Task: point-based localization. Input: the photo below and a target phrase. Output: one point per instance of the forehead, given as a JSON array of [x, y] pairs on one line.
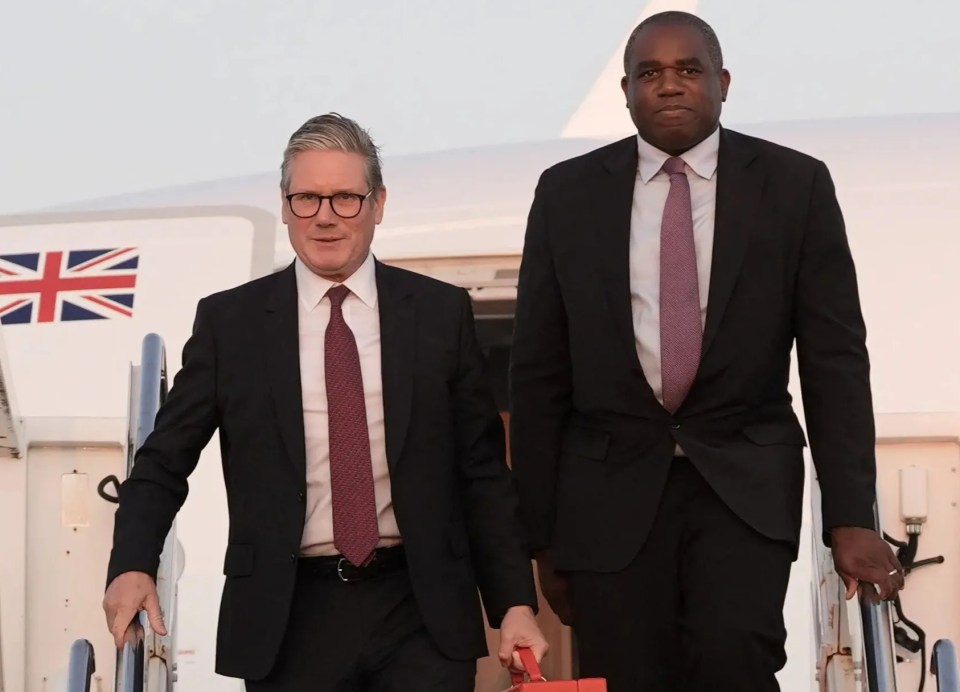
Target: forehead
[[328, 171], [667, 44]]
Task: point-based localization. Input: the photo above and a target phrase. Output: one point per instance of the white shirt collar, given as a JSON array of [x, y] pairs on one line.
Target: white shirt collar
[[701, 159], [312, 288]]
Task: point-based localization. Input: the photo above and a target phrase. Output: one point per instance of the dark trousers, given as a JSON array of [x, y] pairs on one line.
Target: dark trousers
[[700, 608], [365, 636]]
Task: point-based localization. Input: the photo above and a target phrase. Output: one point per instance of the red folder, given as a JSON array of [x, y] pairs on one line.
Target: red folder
[[537, 683]]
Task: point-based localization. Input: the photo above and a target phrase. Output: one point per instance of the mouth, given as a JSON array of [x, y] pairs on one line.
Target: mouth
[[327, 240], [673, 108]]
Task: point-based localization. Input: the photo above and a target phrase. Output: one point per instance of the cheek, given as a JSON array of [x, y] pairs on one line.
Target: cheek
[[298, 233], [361, 232], [643, 99], [359, 240], [709, 100]]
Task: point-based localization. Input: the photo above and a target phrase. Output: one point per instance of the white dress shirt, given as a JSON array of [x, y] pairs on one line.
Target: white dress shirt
[[361, 313], [649, 198]]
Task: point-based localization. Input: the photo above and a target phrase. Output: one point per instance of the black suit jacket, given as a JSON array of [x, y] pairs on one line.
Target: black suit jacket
[[452, 494], [591, 445]]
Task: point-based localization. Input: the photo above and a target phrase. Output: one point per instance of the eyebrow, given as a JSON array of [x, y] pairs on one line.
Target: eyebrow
[[656, 64], [335, 192]]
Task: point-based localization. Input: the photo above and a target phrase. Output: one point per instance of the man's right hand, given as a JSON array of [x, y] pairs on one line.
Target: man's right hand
[[555, 587], [127, 595]]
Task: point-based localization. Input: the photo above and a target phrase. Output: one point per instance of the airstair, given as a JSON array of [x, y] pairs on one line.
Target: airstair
[[858, 641]]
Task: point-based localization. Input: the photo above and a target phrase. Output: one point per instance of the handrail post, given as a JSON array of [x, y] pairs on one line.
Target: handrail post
[[81, 667], [945, 666], [149, 391], [152, 392], [130, 659], [878, 642]]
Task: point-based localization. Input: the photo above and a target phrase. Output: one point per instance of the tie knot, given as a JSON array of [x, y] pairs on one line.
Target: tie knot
[[673, 165], [337, 294]]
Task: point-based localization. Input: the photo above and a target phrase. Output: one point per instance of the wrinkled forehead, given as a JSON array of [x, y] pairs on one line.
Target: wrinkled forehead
[[669, 45], [328, 171]]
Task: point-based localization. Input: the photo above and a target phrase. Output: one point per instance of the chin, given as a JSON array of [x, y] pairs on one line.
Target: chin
[[676, 139], [325, 267], [328, 261]]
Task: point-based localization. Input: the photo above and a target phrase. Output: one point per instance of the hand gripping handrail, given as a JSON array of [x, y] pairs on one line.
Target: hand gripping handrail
[[145, 663], [879, 652]]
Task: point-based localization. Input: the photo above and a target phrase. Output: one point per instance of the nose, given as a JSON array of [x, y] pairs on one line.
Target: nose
[[670, 83], [325, 215]]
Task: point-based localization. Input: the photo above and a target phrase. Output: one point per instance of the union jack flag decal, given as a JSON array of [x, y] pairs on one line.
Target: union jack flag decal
[[67, 286]]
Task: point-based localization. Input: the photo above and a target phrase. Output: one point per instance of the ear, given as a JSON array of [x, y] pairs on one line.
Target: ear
[[624, 85], [724, 84], [284, 210], [380, 199]]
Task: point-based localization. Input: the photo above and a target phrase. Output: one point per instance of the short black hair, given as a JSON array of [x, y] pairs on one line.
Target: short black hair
[[678, 18]]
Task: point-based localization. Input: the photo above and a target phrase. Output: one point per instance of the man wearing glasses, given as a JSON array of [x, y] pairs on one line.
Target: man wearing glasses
[[363, 454]]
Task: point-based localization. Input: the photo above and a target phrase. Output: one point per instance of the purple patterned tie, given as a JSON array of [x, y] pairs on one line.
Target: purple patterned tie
[[355, 530], [681, 333]]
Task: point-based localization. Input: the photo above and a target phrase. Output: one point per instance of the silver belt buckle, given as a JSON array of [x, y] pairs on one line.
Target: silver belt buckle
[[370, 561], [340, 571]]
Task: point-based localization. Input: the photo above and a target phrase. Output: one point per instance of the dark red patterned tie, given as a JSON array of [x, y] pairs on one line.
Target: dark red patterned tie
[[681, 332], [355, 531]]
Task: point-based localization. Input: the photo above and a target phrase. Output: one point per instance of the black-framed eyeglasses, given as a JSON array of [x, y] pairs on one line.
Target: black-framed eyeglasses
[[346, 205]]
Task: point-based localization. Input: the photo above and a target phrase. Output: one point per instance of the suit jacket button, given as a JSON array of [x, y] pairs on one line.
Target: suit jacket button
[[293, 558], [300, 495], [675, 426]]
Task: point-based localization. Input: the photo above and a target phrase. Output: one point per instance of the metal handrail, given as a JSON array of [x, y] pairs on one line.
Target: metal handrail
[[81, 667], [879, 650], [878, 642], [152, 393], [945, 666], [130, 660], [149, 391]]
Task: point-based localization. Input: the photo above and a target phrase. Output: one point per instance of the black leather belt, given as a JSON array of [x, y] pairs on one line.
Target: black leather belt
[[384, 560]]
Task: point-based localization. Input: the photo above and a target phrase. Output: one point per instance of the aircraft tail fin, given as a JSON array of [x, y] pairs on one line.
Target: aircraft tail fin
[[602, 113]]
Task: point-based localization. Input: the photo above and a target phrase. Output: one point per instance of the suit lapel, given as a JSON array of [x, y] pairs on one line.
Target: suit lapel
[[615, 195], [739, 188], [281, 338], [398, 331]]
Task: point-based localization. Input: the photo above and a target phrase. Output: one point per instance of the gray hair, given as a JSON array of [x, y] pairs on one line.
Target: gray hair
[[333, 132], [678, 18]]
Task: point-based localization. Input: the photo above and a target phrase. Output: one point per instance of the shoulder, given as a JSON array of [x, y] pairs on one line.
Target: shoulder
[[574, 169], [777, 156], [247, 295], [424, 288]]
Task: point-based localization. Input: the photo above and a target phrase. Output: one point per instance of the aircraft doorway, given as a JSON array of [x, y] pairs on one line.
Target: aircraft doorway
[[492, 283], [494, 320]]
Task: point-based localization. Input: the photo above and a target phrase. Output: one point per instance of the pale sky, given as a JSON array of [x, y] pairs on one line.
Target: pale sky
[[104, 97]]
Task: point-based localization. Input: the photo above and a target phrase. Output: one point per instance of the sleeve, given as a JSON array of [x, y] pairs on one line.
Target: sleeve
[[504, 572], [540, 380], [833, 364], [157, 486]]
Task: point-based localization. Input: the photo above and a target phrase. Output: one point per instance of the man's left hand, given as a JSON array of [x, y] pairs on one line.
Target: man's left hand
[[519, 628], [861, 555]]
